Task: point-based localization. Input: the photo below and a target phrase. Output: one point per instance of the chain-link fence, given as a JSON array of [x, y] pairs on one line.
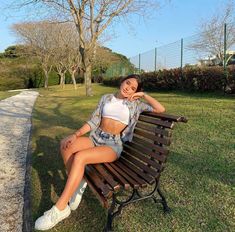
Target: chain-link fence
[[209, 48]]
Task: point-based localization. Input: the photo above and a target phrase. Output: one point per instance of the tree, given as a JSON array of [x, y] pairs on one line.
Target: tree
[[104, 58], [37, 36], [66, 56], [73, 64], [15, 51], [110, 63], [92, 18], [211, 34]]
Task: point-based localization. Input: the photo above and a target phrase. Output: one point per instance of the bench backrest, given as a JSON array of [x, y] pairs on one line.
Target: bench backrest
[[148, 150]]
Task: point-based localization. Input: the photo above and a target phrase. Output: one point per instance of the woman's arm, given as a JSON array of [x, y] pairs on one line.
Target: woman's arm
[[157, 106], [71, 138], [83, 130]]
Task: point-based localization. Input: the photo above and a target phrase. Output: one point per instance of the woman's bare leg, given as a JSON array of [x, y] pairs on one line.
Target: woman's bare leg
[[100, 154], [81, 143]]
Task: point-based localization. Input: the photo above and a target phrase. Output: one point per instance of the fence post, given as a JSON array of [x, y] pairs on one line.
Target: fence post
[[155, 60], [225, 44], [129, 70], [139, 63], [225, 51], [181, 63], [181, 56]]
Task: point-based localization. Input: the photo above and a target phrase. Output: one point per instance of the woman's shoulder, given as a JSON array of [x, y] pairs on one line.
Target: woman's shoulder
[[107, 96]]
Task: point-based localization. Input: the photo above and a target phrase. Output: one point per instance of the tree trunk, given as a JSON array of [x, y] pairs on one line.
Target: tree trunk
[[73, 79], [87, 79], [62, 80], [63, 83], [46, 78]]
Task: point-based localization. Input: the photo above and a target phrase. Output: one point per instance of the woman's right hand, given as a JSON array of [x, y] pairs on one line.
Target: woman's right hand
[[69, 141]]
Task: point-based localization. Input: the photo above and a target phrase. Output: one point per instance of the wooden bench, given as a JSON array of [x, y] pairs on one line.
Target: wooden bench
[[138, 170]]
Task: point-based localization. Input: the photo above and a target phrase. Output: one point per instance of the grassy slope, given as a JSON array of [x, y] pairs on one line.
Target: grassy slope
[[5, 94], [197, 181], [10, 78]]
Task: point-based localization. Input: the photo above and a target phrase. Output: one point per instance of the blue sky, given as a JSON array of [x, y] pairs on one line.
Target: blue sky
[[177, 19]]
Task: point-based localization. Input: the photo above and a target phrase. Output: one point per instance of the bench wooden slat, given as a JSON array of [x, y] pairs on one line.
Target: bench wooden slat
[[154, 129], [132, 182], [115, 186], [156, 155], [139, 172], [166, 117], [162, 150], [165, 141], [96, 191], [98, 182], [144, 167], [132, 174], [121, 180], [156, 121], [143, 158]]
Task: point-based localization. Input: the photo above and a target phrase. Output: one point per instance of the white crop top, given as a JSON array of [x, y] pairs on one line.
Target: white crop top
[[116, 110]]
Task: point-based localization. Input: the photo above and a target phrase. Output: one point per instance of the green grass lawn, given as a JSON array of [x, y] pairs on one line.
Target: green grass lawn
[[198, 181], [6, 94]]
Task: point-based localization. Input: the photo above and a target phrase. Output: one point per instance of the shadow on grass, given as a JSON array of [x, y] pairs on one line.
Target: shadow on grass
[[58, 118], [47, 162], [50, 169]]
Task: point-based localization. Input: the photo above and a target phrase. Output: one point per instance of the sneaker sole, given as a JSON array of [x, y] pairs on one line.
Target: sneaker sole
[[61, 219]]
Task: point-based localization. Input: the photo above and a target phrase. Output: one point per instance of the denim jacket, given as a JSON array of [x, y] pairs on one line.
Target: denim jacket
[[136, 107]]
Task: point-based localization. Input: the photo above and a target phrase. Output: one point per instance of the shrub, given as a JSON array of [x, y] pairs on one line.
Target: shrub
[[230, 87], [191, 78]]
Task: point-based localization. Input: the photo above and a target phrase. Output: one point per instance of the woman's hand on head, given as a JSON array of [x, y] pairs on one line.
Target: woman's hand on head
[[136, 96]]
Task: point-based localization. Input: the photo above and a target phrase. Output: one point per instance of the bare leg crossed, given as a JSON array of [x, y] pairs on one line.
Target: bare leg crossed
[[82, 143], [76, 157]]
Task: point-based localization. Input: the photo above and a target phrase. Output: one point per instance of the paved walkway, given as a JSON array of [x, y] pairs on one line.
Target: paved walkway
[[15, 126]]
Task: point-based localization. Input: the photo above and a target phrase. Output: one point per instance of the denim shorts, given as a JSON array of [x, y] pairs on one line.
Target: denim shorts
[[101, 138]]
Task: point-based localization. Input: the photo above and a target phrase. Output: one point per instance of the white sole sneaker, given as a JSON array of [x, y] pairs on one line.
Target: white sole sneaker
[[51, 218]]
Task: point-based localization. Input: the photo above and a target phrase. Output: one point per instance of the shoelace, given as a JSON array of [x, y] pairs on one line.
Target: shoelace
[[51, 214]]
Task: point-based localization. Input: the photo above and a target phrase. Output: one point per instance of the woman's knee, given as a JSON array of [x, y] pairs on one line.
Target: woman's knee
[[79, 159], [65, 153], [62, 150], [62, 141]]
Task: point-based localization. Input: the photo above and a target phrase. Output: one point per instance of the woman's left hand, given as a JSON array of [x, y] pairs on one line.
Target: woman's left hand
[[136, 95]]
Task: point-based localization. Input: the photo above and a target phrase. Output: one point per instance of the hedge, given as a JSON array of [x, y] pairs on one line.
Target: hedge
[[193, 78]]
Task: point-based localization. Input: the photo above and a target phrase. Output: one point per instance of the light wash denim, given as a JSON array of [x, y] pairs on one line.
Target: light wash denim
[[101, 138]]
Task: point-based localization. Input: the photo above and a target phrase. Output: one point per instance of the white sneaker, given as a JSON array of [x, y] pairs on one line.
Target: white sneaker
[[77, 196], [51, 217]]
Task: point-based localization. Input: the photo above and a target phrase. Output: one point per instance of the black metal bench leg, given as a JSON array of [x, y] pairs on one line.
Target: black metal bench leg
[[111, 215], [108, 226], [166, 208]]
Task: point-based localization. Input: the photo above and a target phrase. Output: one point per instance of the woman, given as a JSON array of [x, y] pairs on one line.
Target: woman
[[112, 123]]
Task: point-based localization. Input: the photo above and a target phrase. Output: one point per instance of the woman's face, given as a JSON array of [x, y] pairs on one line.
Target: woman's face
[[128, 87]]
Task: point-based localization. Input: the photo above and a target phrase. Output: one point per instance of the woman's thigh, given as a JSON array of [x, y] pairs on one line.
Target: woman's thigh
[[81, 143], [95, 155]]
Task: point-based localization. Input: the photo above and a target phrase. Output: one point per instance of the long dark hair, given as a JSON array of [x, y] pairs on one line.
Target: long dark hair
[[138, 79]]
